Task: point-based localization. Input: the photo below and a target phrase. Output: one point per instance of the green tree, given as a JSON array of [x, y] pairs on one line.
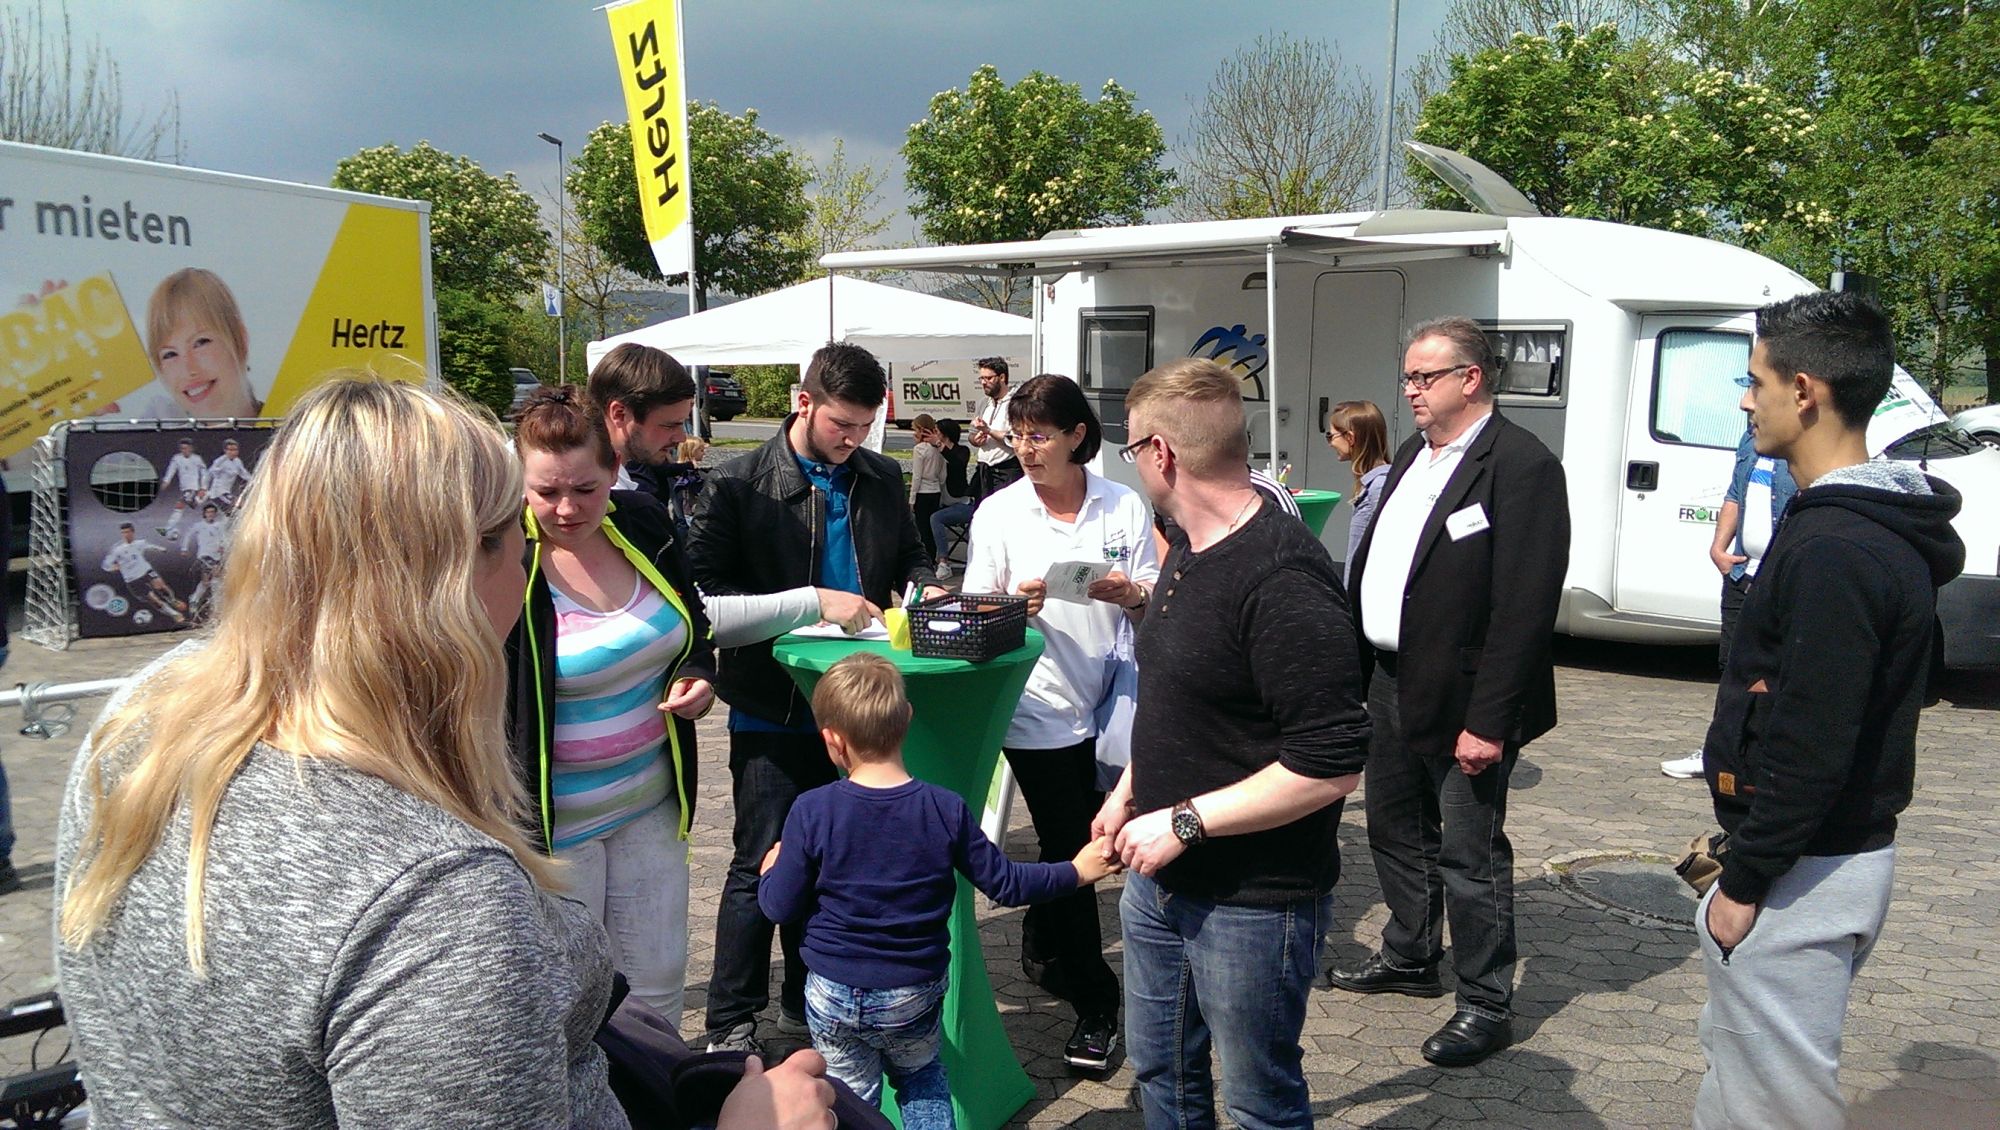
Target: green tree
[[473, 346], [56, 92], [1906, 161], [749, 203], [995, 162], [1593, 125], [1284, 130], [843, 208], [486, 233]]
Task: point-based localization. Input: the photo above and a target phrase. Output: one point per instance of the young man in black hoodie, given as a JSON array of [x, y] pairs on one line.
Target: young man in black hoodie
[[1812, 751]]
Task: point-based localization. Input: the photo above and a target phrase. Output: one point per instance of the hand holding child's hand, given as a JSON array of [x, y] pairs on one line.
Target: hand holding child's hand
[[770, 858], [1096, 861]]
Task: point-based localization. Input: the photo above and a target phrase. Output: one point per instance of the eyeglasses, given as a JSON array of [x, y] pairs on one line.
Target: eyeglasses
[[1033, 439], [1423, 381], [1331, 432], [1130, 452]]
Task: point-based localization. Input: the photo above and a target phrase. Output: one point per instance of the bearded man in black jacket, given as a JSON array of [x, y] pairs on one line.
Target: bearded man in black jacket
[[1812, 751]]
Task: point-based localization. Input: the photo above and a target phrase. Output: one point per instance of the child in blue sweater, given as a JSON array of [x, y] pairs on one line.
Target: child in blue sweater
[[868, 863]]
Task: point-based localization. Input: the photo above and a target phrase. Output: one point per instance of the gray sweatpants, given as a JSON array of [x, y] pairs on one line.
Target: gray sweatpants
[[1771, 1027]]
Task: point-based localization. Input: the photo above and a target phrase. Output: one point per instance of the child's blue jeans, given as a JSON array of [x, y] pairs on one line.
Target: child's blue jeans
[[863, 1033]]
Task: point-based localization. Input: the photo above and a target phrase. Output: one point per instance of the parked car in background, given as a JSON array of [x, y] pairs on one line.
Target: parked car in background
[[725, 396], [1983, 423], [525, 382]]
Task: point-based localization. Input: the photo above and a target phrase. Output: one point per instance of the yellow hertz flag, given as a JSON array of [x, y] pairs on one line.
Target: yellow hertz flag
[[646, 34]]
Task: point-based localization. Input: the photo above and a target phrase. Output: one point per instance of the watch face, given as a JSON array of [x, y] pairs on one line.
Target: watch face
[[1187, 827]]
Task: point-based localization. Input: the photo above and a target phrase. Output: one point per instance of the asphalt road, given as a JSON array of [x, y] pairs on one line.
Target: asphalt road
[[743, 427]]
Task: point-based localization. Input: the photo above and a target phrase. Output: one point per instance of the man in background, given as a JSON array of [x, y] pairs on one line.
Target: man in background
[[997, 466], [1759, 491], [646, 397], [1456, 586]]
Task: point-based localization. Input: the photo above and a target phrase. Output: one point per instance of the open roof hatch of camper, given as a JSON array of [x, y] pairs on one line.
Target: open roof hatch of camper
[[1329, 238]]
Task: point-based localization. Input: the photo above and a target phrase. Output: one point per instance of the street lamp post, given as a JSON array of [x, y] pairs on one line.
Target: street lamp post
[[562, 254]]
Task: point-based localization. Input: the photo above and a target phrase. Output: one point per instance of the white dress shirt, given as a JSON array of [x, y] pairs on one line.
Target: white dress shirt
[[994, 413], [1399, 523], [1015, 539]]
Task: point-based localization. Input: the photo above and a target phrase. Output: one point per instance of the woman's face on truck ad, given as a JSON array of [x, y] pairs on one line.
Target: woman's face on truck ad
[[203, 370]]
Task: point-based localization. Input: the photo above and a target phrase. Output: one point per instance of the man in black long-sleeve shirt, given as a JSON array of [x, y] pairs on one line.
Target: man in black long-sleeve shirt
[[1250, 731], [1812, 752]]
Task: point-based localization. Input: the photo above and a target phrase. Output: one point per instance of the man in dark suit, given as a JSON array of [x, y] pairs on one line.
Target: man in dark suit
[[1455, 588]]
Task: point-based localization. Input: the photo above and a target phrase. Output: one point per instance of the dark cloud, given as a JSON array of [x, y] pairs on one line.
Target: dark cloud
[[286, 90]]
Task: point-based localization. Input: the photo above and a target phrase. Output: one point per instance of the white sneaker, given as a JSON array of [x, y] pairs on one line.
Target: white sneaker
[[1686, 768], [944, 571]]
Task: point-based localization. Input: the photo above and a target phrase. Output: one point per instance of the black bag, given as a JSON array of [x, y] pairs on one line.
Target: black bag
[[665, 1085]]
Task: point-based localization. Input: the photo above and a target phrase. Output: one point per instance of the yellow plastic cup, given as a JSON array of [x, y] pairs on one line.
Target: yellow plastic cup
[[898, 623]]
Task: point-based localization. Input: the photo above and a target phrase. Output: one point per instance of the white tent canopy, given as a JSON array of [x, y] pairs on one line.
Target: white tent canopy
[[785, 326]]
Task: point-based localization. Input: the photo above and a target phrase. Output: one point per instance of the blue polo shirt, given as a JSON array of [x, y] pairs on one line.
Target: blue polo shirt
[[839, 567]]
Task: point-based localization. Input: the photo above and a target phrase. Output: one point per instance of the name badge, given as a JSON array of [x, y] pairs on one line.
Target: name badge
[[1467, 522]]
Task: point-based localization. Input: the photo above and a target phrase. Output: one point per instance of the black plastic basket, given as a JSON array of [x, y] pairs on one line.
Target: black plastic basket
[[977, 626]]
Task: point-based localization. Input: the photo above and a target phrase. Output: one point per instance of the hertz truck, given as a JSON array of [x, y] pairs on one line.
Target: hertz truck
[[137, 290]]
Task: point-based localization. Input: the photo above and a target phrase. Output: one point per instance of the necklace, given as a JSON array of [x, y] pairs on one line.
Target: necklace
[[1238, 520]]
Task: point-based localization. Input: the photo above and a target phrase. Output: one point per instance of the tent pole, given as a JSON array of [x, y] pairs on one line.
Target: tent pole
[[1270, 348]]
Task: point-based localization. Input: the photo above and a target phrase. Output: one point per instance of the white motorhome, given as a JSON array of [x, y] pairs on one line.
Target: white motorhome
[[1621, 348]]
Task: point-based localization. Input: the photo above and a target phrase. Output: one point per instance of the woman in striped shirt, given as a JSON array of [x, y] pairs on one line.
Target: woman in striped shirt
[[612, 662]]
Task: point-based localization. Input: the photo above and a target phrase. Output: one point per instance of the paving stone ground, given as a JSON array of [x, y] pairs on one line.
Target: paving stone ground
[[1607, 1003]]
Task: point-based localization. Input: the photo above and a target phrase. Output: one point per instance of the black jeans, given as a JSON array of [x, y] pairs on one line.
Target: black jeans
[[1441, 849], [1062, 944], [926, 505], [767, 772]]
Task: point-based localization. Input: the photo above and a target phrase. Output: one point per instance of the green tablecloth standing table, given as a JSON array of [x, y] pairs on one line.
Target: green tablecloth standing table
[[1316, 506], [960, 715]]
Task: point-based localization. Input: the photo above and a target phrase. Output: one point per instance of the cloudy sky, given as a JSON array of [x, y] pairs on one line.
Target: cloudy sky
[[286, 89]]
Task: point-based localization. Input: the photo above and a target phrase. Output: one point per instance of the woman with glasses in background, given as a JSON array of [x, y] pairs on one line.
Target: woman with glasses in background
[[1358, 434], [1060, 513]]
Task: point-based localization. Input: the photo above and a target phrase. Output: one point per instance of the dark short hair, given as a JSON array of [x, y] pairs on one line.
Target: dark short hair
[[560, 419], [1054, 400], [847, 373], [1469, 344], [948, 428], [1838, 336], [641, 378], [997, 364], [127, 526], [208, 506]]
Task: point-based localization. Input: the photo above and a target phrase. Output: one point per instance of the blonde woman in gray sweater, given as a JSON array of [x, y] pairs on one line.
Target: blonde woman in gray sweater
[[294, 886]]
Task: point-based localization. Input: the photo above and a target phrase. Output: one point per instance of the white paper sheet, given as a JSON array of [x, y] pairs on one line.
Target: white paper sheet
[[1071, 580], [875, 630]]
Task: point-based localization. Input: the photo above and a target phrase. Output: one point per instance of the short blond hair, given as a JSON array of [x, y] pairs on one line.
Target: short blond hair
[[1198, 406], [861, 698]]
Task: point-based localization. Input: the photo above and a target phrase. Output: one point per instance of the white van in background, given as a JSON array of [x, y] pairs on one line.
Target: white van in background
[[1621, 348]]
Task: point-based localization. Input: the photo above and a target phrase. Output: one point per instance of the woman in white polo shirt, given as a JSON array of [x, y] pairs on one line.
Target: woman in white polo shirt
[[1061, 513]]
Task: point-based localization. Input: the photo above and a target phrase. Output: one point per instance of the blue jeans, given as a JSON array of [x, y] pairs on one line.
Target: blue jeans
[[952, 515], [864, 1032], [1201, 974]]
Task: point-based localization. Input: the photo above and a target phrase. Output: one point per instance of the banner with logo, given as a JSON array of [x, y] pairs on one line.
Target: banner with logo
[[136, 290], [646, 36], [150, 510]]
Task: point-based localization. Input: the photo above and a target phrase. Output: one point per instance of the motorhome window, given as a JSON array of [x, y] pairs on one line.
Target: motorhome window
[[1936, 441], [1531, 359], [1117, 348], [1696, 397]]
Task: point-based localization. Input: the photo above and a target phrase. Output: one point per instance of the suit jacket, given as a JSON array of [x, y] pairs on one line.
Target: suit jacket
[[1479, 611]]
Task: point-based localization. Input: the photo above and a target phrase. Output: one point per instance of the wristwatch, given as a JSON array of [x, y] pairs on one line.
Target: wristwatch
[[1187, 824]]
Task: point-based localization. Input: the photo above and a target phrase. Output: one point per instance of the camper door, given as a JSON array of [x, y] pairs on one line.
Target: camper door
[[1682, 427]]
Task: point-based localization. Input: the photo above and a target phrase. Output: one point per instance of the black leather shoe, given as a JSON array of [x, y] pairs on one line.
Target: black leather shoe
[[1376, 975], [1466, 1039]]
